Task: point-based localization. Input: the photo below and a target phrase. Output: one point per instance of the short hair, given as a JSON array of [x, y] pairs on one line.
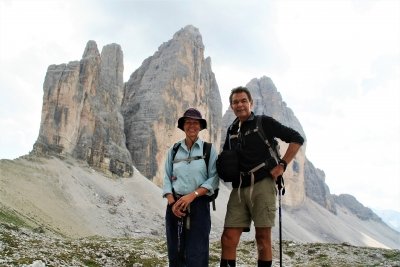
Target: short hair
[[240, 89]]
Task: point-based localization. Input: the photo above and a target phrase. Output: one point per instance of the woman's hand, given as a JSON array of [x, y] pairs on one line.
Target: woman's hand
[[179, 208], [170, 199]]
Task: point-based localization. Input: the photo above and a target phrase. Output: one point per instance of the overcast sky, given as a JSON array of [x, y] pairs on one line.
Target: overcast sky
[[336, 64]]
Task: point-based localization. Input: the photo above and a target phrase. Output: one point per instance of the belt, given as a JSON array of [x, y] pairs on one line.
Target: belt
[[251, 173]]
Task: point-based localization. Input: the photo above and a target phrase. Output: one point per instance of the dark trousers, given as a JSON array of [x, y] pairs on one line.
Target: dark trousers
[[194, 249]]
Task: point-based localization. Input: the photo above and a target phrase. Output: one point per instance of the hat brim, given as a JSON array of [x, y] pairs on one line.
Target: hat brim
[[181, 121]]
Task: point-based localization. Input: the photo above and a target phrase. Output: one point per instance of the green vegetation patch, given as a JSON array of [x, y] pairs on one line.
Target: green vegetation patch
[[11, 218]]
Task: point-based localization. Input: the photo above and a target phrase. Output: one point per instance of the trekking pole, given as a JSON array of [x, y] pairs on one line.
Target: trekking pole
[[180, 241], [281, 190]]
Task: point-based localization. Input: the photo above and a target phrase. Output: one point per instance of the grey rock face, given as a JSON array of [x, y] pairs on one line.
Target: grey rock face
[[352, 204], [81, 111], [83, 100], [316, 188], [268, 101], [175, 78]]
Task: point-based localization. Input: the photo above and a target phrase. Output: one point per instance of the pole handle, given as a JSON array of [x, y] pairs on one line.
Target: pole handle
[[281, 184]]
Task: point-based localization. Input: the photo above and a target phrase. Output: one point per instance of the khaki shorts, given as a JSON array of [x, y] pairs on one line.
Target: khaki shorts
[[261, 208]]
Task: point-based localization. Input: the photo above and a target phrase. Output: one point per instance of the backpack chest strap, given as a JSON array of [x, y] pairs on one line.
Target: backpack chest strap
[[188, 160], [250, 131]]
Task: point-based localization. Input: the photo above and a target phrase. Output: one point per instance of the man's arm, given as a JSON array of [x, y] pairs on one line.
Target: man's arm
[[290, 153]]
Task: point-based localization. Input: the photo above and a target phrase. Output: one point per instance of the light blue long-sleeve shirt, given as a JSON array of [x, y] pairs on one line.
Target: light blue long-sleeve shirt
[[187, 176]]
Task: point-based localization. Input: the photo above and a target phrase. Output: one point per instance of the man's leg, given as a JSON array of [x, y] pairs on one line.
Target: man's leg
[[264, 211], [264, 243], [229, 242]]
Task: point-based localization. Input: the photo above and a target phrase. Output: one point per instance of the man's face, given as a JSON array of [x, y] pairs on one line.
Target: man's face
[[241, 105]]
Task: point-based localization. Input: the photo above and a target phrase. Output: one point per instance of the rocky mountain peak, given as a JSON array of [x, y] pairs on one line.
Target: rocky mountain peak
[[191, 33], [351, 203], [90, 50], [89, 112], [81, 111], [267, 100], [175, 78]]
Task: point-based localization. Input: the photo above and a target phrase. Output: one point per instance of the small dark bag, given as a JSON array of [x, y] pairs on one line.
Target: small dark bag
[[228, 166]]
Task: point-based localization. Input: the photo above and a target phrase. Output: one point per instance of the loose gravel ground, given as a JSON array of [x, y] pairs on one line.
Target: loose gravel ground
[[21, 246]]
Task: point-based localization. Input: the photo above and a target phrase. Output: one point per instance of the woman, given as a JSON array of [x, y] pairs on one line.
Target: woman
[[187, 183]]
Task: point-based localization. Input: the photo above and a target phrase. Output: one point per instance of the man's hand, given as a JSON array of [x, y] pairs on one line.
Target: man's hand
[[277, 171]]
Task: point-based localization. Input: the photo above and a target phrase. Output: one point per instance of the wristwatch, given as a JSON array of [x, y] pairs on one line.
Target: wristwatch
[[196, 193], [283, 163]]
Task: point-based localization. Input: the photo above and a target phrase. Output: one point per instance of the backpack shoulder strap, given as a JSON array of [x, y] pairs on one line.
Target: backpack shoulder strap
[[175, 150], [260, 131], [173, 154], [274, 151], [206, 153]]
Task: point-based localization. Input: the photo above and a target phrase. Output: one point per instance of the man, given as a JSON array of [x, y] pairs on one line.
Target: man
[[253, 197]]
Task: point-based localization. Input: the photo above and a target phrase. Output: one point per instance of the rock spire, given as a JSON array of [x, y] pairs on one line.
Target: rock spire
[[175, 78], [81, 110]]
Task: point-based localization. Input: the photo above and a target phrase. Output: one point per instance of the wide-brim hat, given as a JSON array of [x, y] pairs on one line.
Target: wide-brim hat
[[192, 113]]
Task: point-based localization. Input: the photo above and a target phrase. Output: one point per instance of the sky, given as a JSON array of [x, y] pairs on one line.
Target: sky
[[335, 63]]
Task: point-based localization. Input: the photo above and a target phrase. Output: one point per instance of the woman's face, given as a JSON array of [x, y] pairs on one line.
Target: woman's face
[[192, 128]]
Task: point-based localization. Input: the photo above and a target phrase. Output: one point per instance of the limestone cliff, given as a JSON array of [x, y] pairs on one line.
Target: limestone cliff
[[316, 188], [175, 78], [81, 111], [355, 207], [88, 112]]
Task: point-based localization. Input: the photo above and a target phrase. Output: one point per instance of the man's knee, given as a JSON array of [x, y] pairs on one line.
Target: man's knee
[[263, 233], [230, 239], [263, 237], [264, 243]]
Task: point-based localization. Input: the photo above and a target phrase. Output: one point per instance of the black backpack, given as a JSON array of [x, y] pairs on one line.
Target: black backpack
[[206, 157]]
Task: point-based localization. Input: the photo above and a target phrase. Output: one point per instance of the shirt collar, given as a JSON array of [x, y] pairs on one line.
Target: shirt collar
[[250, 118], [197, 143]]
